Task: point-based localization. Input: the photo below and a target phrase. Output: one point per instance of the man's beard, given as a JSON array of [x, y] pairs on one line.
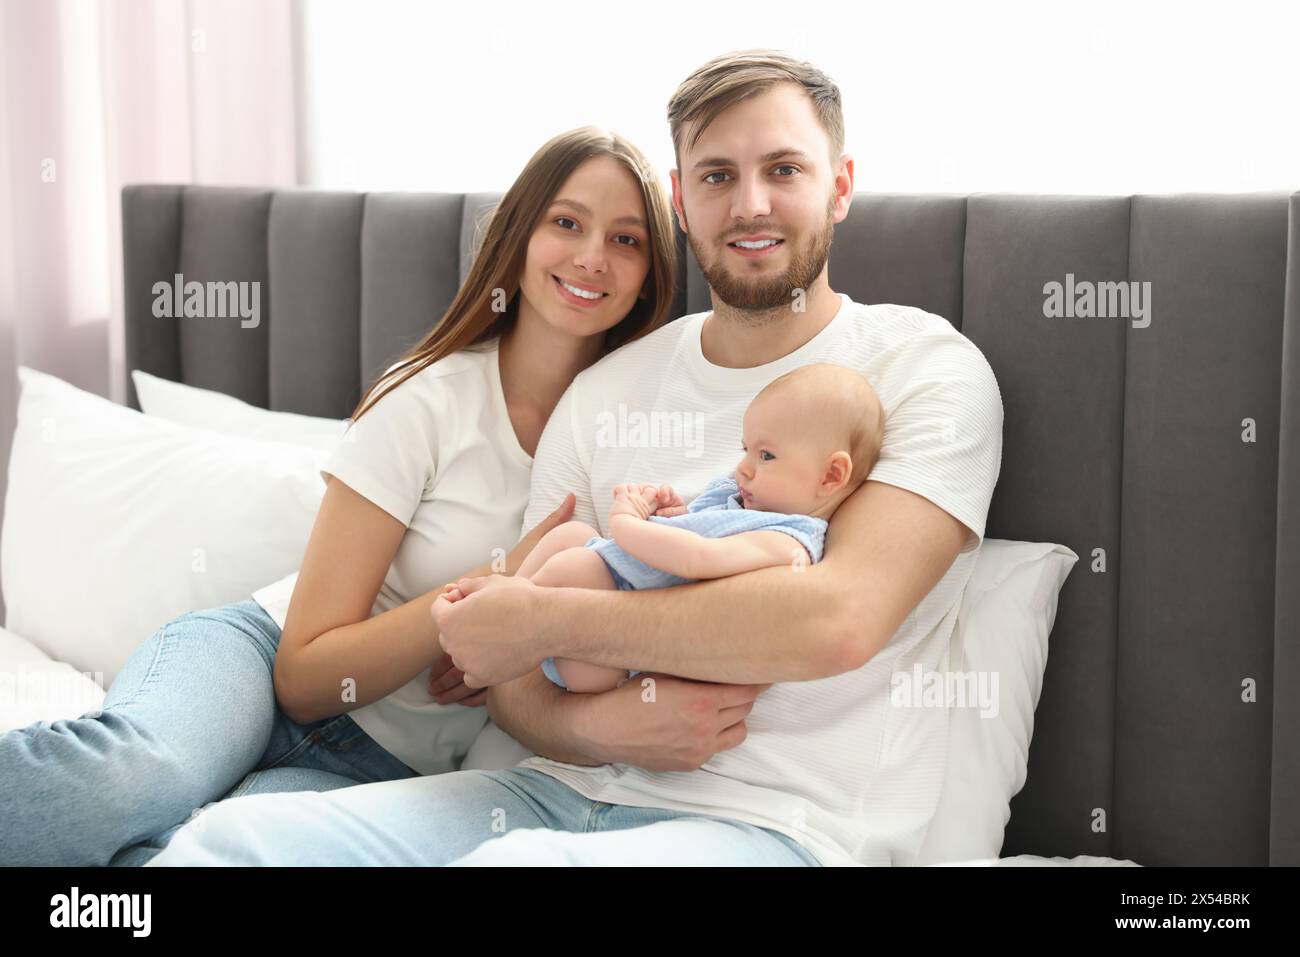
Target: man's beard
[[765, 295]]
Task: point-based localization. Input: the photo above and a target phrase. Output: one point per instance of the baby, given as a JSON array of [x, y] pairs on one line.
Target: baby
[[810, 438]]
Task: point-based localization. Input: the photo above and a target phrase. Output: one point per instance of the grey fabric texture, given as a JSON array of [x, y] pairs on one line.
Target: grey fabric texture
[[1125, 443]]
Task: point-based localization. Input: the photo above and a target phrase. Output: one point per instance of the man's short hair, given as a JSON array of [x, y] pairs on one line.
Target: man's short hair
[[730, 78]]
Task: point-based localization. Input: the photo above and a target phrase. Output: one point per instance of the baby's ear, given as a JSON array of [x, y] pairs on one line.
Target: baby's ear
[[839, 469]]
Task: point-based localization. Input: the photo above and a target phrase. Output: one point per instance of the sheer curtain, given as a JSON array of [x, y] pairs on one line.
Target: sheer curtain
[[97, 94]]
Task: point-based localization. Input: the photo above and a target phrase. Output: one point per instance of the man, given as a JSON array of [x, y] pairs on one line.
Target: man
[[760, 730]]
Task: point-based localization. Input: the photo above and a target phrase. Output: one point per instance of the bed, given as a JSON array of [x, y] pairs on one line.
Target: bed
[[1125, 440]]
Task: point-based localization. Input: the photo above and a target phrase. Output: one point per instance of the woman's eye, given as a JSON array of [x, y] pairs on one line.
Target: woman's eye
[[632, 240], [561, 220], [766, 456], [711, 181]]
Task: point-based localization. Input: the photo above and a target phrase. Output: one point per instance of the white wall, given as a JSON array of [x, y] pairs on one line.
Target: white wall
[[1099, 97]]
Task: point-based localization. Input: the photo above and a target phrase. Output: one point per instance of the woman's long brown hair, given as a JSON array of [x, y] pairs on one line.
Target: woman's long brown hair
[[500, 259]]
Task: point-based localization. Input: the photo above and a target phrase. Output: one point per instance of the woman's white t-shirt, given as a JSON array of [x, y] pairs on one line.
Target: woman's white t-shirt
[[440, 455]]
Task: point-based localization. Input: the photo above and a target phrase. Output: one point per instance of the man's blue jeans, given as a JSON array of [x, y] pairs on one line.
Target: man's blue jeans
[[516, 816]]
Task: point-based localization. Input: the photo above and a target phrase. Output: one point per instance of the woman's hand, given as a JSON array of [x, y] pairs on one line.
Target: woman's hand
[[447, 684]]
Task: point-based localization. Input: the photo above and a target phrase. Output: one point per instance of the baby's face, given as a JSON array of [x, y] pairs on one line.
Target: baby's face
[[779, 471]]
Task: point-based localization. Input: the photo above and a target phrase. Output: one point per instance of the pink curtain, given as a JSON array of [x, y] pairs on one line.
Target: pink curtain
[[96, 94]]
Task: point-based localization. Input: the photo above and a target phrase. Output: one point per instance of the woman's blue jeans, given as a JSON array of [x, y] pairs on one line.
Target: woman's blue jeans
[[191, 719]]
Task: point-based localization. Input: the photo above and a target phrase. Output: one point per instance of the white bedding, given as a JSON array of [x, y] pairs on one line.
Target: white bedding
[[33, 687]]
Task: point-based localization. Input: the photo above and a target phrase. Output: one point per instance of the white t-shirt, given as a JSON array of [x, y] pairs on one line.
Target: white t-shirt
[[827, 762], [439, 454]]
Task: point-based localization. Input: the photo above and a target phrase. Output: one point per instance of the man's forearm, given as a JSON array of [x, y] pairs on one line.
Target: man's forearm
[[774, 624], [543, 717]]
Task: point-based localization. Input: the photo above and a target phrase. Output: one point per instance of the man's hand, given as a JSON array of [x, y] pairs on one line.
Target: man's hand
[[446, 681], [487, 628], [446, 684], [664, 723]]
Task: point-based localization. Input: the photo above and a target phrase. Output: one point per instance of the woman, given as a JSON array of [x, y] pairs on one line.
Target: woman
[[429, 483]]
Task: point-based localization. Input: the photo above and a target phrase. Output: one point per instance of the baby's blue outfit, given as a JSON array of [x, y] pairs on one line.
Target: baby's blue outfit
[[715, 513]]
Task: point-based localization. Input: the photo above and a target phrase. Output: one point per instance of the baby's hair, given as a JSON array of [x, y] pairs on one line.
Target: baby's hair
[[849, 413]]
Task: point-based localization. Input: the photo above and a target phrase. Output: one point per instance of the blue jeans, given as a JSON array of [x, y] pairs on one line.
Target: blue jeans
[[191, 719], [516, 816]]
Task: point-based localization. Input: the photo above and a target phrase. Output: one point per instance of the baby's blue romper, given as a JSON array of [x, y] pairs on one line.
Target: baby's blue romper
[[715, 513]]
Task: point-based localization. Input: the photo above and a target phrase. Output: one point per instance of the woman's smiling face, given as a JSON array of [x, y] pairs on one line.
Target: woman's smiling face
[[589, 257]]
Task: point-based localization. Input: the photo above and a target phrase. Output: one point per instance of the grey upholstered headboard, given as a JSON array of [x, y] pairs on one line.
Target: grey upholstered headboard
[[1117, 437]]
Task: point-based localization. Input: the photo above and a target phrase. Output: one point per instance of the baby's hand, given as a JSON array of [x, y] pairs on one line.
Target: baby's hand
[[451, 592], [670, 503], [639, 500]]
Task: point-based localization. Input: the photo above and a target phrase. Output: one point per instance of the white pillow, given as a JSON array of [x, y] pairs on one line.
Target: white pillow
[[34, 688], [1006, 615], [117, 522], [206, 409]]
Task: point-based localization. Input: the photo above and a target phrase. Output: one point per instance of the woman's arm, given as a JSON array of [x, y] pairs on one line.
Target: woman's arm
[[687, 554], [333, 657]]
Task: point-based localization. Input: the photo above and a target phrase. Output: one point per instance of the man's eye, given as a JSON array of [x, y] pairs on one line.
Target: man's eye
[[793, 169], [769, 455], [564, 219], [711, 181]]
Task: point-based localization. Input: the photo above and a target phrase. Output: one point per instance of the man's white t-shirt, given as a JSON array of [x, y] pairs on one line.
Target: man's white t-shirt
[[828, 762], [439, 454]]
